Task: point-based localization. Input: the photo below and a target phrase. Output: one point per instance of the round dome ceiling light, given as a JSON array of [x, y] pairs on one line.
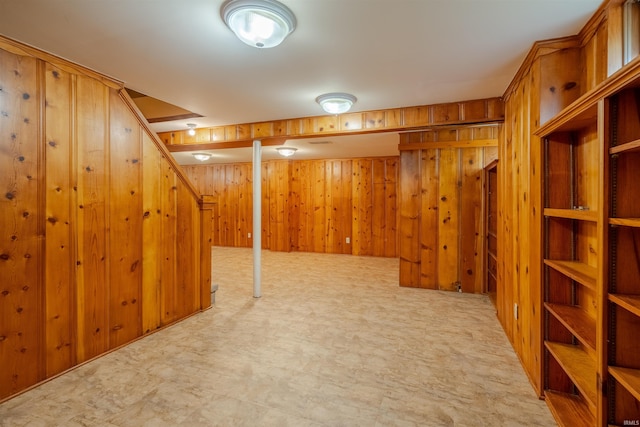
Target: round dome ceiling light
[[286, 151], [336, 103], [258, 23]]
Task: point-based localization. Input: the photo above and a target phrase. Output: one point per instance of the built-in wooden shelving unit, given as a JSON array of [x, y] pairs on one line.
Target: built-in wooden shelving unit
[[591, 247]]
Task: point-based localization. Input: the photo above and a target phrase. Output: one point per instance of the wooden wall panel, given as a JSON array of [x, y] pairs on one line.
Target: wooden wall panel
[[277, 205], [92, 291], [409, 206], [151, 235], [445, 243], [20, 257], [448, 220], [125, 219], [73, 217], [187, 225], [362, 191], [390, 206], [308, 205], [168, 248], [60, 226], [338, 208], [430, 161], [555, 74], [471, 220]]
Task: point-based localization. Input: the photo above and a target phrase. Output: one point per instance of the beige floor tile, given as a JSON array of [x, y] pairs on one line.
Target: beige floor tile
[[334, 341]]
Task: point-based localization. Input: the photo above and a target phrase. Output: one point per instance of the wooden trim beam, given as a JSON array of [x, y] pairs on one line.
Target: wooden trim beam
[[478, 111], [472, 143]]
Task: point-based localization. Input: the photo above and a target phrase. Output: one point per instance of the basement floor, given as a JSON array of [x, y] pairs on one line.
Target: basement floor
[[332, 342]]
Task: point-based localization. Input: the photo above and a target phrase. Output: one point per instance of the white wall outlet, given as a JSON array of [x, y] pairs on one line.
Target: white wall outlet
[[248, 235], [515, 311], [348, 240]]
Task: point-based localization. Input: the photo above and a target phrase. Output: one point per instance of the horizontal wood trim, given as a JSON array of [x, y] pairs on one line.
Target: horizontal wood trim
[[477, 143], [477, 111], [223, 145]]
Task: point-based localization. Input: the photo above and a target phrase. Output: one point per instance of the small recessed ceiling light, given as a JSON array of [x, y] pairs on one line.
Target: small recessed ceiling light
[[258, 23], [336, 103], [202, 156], [192, 129], [286, 151]]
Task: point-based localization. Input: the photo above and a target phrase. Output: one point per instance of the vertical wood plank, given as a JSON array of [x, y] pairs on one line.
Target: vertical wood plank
[[362, 206], [448, 219], [168, 248], [409, 207], [92, 290], [378, 211], [187, 254], [125, 219], [429, 221], [20, 290], [60, 293], [471, 220], [151, 235], [391, 207]]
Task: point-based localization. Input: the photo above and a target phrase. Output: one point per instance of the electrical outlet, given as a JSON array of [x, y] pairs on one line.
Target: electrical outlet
[[249, 235], [348, 240], [515, 311]]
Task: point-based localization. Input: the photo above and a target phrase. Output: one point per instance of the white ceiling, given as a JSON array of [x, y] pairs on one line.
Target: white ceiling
[[388, 53]]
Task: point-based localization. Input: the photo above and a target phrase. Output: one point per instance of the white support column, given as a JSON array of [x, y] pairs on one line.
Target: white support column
[[257, 217]]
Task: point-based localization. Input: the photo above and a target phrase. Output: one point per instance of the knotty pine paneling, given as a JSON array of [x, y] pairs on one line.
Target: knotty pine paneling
[[91, 122], [391, 120], [374, 199], [441, 205], [125, 219], [88, 242], [152, 233], [409, 208], [554, 74], [20, 253], [308, 205], [60, 226]]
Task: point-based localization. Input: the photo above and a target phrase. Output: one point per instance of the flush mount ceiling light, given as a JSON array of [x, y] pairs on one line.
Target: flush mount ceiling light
[[202, 156], [286, 151], [336, 103], [258, 23], [192, 129]]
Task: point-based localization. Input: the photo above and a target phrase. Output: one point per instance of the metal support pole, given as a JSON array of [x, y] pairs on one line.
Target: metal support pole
[[257, 217]]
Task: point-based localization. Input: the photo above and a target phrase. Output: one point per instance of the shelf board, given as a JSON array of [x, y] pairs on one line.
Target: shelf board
[[580, 368], [591, 216], [628, 378], [576, 321], [627, 222], [628, 302], [569, 410], [576, 270], [629, 146]]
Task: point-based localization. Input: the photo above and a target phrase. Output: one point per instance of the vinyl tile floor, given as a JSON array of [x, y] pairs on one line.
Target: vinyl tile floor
[[333, 341]]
